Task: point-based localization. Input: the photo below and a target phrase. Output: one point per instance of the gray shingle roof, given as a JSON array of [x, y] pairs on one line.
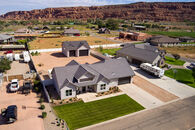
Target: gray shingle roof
[[109, 69], [71, 31], [5, 37], [138, 53], [163, 39], [74, 45], [73, 62]]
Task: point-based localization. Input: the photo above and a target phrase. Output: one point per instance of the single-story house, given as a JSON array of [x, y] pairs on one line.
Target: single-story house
[[142, 53], [7, 39], [75, 78], [162, 40], [72, 32], [23, 31], [187, 39], [104, 30], [75, 48]]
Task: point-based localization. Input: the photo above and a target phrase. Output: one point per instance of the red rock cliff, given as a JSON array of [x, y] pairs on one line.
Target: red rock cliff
[[157, 11]]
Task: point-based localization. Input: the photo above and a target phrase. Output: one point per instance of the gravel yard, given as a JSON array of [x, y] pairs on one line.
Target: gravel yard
[[48, 60], [28, 119]]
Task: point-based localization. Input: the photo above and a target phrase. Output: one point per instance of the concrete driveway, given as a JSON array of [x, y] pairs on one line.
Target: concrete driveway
[[28, 119], [179, 89], [142, 97]]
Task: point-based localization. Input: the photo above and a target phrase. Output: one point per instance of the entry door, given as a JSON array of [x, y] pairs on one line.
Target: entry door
[[83, 89]]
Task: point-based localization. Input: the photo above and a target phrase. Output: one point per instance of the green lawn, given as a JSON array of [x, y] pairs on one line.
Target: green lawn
[[173, 34], [182, 75], [82, 114], [109, 51], [172, 61]]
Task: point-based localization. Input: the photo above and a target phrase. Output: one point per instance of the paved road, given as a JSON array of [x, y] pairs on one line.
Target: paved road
[[178, 115]]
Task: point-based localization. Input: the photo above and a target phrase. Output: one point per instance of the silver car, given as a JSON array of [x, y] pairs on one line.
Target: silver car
[[14, 86]]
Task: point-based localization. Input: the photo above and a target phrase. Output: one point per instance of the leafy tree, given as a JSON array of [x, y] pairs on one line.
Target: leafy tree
[[5, 64], [112, 24], [176, 56], [100, 23], [22, 41]]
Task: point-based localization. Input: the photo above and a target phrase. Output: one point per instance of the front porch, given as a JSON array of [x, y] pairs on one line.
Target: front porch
[[88, 97], [85, 89]]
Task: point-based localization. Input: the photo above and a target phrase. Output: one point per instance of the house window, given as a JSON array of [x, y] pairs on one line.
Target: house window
[[86, 79], [103, 87], [69, 92]]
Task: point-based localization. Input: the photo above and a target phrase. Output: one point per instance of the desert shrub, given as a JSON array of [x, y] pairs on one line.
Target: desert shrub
[[42, 107], [44, 115]]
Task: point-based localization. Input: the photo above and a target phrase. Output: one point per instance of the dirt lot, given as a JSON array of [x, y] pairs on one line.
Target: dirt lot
[[188, 52], [45, 43], [28, 119], [18, 68], [49, 60], [153, 89]]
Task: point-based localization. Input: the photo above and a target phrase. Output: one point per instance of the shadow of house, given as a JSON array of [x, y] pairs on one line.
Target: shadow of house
[[58, 54]]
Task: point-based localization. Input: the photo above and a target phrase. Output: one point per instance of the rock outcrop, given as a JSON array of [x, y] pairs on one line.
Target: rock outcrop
[[156, 11]]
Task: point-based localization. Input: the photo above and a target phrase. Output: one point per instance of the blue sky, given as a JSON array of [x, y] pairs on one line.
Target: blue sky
[[15, 5]]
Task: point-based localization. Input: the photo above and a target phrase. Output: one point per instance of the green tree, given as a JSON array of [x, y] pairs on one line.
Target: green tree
[[112, 24], [5, 64], [22, 41]]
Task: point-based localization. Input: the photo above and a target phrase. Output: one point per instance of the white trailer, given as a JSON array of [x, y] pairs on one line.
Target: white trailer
[[10, 56], [26, 56], [17, 57], [152, 69]]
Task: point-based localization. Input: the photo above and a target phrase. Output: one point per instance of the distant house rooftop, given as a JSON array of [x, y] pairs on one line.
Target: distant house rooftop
[[163, 40], [74, 45], [142, 52], [5, 37], [71, 31]]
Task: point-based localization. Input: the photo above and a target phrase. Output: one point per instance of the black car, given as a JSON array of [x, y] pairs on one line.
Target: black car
[[10, 114]]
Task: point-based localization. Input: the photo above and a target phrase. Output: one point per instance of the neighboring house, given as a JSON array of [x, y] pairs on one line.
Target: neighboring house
[[187, 39], [75, 48], [162, 41], [75, 78], [6, 39], [72, 32], [104, 30], [23, 31], [135, 36], [142, 53]]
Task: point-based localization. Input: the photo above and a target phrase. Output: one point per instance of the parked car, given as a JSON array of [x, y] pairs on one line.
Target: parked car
[[8, 52], [14, 86], [10, 114], [27, 86]]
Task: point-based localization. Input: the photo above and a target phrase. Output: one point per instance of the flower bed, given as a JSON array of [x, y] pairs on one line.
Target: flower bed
[[111, 91], [65, 101]]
